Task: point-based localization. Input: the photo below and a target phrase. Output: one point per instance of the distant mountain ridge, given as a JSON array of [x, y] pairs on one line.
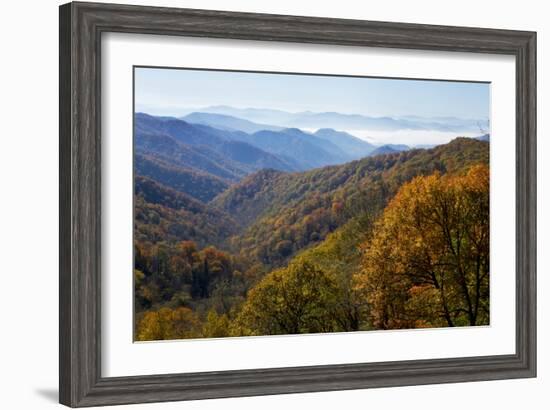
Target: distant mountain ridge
[[389, 149], [355, 147], [316, 120], [289, 149], [227, 122], [290, 143], [304, 149], [342, 145], [202, 148], [201, 158]]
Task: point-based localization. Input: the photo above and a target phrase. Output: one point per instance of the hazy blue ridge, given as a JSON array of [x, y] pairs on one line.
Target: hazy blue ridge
[[227, 122], [316, 120], [218, 152]]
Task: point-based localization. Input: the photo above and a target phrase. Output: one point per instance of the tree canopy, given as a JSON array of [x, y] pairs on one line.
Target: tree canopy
[[385, 242], [427, 263], [297, 299]]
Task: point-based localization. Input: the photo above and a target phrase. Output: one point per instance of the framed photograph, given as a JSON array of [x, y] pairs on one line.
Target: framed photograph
[[259, 204]]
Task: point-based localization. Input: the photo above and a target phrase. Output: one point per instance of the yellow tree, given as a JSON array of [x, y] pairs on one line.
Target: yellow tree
[[215, 325], [166, 323], [427, 263], [298, 299]]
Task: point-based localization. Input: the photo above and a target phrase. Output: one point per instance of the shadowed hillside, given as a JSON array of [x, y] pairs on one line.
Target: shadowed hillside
[[199, 185]]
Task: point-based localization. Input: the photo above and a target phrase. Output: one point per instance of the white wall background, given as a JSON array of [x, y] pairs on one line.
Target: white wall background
[[28, 204]]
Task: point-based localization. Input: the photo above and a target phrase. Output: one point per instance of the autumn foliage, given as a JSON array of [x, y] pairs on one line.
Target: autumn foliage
[[427, 263], [298, 299], [388, 242]]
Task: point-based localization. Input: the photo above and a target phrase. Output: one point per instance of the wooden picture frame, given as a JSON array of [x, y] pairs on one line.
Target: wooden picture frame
[[81, 27]]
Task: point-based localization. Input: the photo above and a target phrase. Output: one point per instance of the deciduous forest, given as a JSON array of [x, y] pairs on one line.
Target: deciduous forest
[[247, 229]]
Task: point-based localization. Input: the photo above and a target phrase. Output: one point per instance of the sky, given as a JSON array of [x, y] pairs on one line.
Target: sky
[[176, 92], [167, 90]]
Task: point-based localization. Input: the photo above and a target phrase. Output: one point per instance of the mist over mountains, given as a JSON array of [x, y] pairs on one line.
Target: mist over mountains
[[316, 120], [228, 122]]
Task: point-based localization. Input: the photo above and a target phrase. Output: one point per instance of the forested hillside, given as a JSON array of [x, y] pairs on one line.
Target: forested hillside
[[201, 148], [240, 233], [199, 185], [287, 212], [164, 215]]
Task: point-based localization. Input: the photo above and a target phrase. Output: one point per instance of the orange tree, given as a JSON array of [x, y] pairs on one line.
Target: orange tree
[[427, 262]]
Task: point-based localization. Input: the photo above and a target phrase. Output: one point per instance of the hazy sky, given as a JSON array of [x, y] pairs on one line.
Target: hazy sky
[[174, 91]]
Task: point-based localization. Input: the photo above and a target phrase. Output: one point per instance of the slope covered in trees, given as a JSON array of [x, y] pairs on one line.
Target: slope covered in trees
[[423, 263], [288, 212], [164, 215], [228, 245], [199, 185], [325, 271]]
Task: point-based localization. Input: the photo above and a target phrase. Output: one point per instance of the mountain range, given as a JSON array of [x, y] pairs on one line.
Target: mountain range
[[217, 145], [254, 212], [227, 122], [205, 153], [309, 119], [276, 139], [201, 148], [225, 205]]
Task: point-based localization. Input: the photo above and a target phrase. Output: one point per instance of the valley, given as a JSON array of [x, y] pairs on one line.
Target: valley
[[246, 228]]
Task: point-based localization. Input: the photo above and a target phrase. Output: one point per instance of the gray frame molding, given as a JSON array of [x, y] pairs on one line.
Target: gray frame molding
[[81, 26]]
